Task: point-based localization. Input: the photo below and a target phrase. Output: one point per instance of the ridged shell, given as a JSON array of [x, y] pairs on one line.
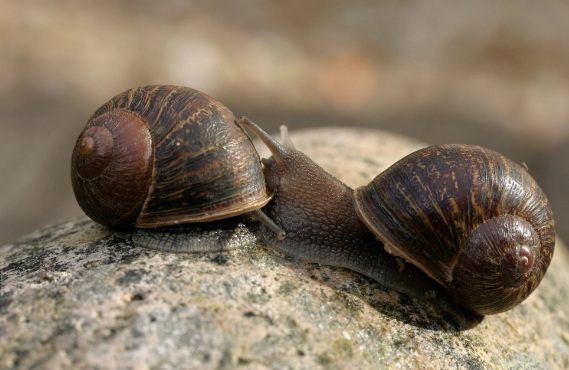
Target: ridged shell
[[425, 207], [168, 155]]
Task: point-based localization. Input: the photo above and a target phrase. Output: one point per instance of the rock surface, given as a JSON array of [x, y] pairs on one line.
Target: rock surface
[[77, 295]]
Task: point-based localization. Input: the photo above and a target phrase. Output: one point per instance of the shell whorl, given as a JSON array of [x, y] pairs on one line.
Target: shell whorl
[[170, 155], [500, 265], [111, 167], [433, 205]]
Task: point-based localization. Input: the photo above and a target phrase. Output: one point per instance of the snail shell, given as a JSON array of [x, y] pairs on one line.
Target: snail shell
[[473, 220], [155, 156]]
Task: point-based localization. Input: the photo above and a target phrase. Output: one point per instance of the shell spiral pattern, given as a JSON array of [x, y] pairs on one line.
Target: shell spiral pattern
[[470, 218], [162, 155]]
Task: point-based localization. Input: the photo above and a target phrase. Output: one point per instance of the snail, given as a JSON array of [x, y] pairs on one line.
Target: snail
[[460, 224], [159, 156]]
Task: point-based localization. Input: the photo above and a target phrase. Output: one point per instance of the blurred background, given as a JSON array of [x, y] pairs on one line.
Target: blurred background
[[490, 73]]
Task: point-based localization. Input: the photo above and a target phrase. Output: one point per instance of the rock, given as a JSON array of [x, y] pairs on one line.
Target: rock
[[77, 295]]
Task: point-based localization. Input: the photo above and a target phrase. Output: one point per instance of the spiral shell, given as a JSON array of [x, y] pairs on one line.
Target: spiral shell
[[470, 218], [163, 155]]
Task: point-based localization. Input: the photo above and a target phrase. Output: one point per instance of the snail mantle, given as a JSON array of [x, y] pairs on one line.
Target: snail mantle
[[79, 295]]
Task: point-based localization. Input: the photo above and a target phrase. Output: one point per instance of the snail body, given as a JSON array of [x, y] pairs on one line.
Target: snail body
[[456, 223], [159, 156]]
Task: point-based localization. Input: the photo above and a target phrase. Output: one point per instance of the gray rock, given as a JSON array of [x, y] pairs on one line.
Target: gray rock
[[77, 295]]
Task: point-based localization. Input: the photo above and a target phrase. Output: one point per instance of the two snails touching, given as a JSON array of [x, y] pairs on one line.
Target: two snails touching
[[459, 224]]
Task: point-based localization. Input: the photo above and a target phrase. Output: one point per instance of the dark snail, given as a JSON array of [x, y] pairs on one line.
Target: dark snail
[[480, 224], [473, 226], [159, 156]]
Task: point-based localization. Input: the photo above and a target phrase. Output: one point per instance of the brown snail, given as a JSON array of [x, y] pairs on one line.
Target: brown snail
[[158, 156], [462, 224]]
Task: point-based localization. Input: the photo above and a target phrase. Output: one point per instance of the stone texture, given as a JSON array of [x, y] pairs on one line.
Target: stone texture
[[77, 295]]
